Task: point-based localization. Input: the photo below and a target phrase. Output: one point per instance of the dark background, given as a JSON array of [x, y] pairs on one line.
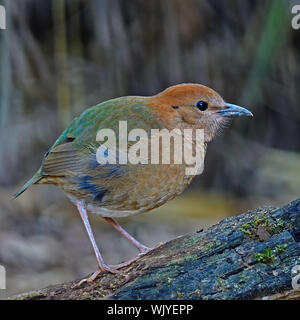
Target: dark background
[[57, 57]]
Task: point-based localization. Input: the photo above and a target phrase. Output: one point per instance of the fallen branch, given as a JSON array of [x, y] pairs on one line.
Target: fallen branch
[[249, 256]]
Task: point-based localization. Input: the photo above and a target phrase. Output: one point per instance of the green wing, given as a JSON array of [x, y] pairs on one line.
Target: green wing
[[74, 151]]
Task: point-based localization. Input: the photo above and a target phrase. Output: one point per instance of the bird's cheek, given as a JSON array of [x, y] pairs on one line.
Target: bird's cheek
[[191, 119], [219, 120]]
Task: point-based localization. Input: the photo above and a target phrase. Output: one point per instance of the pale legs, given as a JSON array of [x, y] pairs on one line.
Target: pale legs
[[102, 266], [142, 249], [124, 233]]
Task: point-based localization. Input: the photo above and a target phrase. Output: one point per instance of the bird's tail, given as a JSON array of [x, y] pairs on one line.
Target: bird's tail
[[30, 182]]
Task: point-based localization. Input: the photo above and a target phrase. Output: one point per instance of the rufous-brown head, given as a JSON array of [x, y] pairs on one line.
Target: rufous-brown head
[[194, 106]]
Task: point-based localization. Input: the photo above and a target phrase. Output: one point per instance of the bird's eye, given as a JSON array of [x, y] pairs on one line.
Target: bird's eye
[[202, 105]]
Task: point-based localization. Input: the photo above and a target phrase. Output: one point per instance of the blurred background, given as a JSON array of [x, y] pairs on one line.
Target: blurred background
[[57, 57]]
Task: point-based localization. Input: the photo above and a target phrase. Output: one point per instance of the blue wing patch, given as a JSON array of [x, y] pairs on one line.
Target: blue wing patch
[[97, 192]]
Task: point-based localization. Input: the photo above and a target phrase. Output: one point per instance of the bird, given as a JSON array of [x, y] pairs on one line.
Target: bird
[[114, 190]]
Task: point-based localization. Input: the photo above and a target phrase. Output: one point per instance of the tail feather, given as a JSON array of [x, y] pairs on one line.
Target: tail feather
[[30, 182]]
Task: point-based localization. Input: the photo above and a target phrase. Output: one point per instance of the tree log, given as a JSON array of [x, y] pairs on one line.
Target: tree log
[[250, 256]]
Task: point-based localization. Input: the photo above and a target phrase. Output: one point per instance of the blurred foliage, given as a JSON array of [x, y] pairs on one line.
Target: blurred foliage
[[58, 57]]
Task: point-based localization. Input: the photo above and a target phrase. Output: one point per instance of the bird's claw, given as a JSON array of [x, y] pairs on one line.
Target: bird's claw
[[144, 251], [114, 268], [128, 263], [110, 269]]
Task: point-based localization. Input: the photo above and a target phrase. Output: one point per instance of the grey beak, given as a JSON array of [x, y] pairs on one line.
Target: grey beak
[[232, 110]]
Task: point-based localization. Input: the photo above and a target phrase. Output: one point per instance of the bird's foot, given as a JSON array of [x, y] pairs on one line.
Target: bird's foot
[[144, 251], [105, 267], [115, 268]]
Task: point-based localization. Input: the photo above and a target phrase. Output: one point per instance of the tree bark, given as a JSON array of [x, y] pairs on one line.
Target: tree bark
[[251, 256]]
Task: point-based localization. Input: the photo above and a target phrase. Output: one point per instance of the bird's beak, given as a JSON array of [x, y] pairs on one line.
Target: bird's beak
[[232, 110]]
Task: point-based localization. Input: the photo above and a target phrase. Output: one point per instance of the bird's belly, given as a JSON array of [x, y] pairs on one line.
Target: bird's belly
[[157, 184], [145, 188], [140, 189]]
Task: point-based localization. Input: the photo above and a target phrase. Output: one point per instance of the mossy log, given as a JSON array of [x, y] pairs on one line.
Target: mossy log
[[250, 256]]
